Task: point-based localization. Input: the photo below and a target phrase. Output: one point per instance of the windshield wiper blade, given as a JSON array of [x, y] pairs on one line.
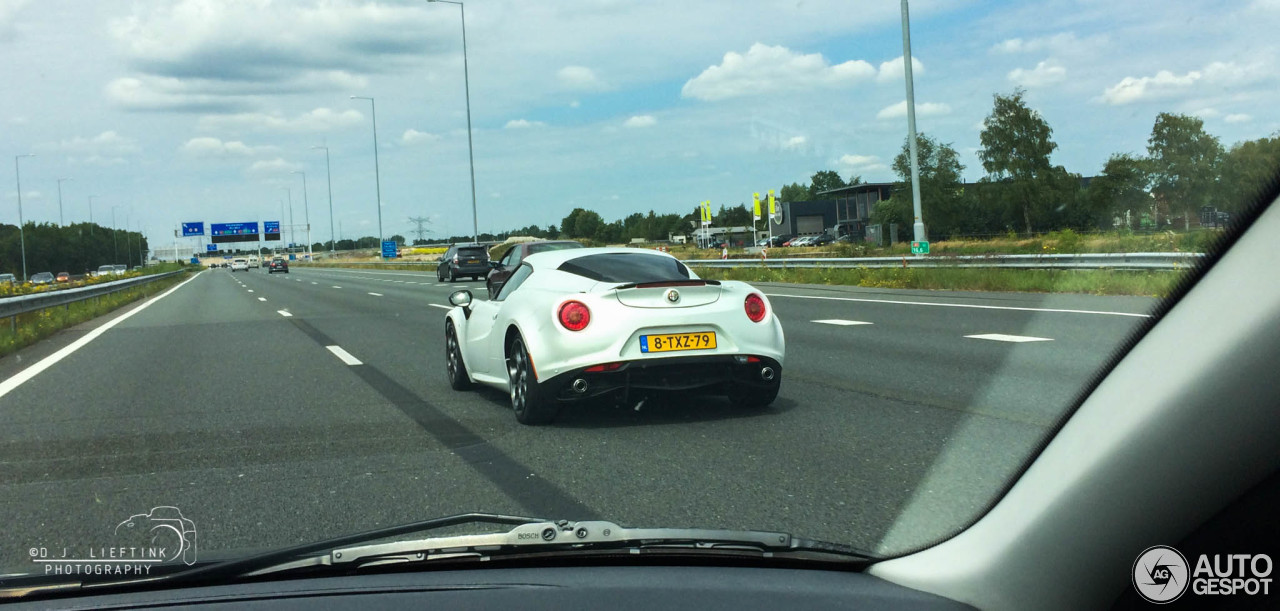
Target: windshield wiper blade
[[230, 569], [566, 536]]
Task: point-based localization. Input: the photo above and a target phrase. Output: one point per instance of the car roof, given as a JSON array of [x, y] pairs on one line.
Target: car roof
[[554, 258]]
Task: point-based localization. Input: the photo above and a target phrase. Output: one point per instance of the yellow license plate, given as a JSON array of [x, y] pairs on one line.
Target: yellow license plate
[[673, 342], [473, 260]]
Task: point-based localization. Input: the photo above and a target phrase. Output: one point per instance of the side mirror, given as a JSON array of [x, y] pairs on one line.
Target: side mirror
[[495, 264], [460, 298]]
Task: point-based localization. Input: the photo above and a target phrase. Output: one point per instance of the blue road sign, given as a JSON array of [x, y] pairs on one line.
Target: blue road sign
[[211, 248], [221, 229], [192, 229], [389, 249]]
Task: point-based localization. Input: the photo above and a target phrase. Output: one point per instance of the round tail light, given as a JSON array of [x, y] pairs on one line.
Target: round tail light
[[574, 315], [755, 307]]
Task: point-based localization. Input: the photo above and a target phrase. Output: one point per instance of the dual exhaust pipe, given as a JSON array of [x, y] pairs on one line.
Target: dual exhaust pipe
[[580, 385]]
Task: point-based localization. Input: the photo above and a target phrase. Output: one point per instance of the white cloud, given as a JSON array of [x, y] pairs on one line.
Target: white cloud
[[9, 10], [26, 195], [522, 124], [1238, 118], [923, 109], [891, 71], [769, 69], [579, 78], [1044, 74], [213, 147], [1056, 42], [274, 166], [574, 104], [794, 142], [108, 144], [860, 164], [1165, 84], [318, 120], [413, 136], [1206, 113], [19, 120], [640, 121]]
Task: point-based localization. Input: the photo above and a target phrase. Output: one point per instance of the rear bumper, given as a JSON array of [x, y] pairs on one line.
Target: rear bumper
[[471, 270], [672, 373]]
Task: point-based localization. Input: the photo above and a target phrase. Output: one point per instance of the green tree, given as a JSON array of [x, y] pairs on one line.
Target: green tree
[[553, 232], [824, 180], [1246, 171], [1016, 144], [1121, 188], [794, 192], [586, 225], [398, 239], [737, 216], [1184, 163]]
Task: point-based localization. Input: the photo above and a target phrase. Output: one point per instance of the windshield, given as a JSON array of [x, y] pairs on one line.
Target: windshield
[[871, 308]]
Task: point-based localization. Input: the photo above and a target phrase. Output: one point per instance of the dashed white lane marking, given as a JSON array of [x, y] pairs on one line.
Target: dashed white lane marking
[[343, 355], [841, 322], [315, 283], [960, 305], [262, 299], [1000, 337], [376, 294], [284, 313], [250, 290], [336, 286]]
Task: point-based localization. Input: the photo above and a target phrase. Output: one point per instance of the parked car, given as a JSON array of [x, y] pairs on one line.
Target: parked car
[[511, 260], [9, 279], [42, 278], [822, 240], [121, 269], [278, 265], [463, 260], [64, 277]]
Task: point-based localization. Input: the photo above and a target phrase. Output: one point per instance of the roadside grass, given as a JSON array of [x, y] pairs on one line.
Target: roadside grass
[[1092, 282], [26, 329], [8, 290]]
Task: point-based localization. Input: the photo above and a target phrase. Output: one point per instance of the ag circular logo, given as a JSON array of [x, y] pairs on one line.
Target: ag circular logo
[[1160, 574]]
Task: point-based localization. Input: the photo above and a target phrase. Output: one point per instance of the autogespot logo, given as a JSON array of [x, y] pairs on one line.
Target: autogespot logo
[[1160, 574]]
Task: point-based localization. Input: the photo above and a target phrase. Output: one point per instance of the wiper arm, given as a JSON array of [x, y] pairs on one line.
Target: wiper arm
[[565, 536]]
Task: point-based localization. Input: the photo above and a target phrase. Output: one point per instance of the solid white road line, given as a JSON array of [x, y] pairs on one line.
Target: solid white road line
[[960, 305], [343, 355], [436, 305], [262, 299], [17, 380], [376, 294], [1017, 339], [839, 322], [284, 313]]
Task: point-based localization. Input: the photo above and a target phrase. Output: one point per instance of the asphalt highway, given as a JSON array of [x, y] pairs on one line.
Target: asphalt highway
[[280, 409]]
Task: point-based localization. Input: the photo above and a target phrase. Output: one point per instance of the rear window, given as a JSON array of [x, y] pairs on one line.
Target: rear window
[[550, 246], [626, 267], [473, 252]]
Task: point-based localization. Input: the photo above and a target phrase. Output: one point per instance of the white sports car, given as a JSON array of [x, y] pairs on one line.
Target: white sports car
[[575, 324]]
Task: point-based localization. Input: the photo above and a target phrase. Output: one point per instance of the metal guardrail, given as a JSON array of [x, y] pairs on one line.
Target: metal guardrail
[[1125, 261], [21, 304]]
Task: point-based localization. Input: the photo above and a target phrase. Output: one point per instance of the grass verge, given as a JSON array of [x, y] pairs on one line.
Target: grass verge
[[1092, 282], [32, 327]]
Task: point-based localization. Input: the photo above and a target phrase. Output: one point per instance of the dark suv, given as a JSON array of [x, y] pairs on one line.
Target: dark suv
[[463, 260], [278, 265], [509, 262]]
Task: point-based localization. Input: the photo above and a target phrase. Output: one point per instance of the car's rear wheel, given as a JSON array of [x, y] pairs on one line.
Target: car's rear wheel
[[754, 396], [454, 367], [452, 276], [529, 406]]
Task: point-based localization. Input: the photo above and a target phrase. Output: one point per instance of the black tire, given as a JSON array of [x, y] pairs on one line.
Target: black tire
[[474, 278], [529, 406], [452, 277], [754, 396], [454, 368], [439, 276]]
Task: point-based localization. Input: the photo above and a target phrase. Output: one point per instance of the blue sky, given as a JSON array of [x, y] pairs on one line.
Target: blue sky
[[201, 109]]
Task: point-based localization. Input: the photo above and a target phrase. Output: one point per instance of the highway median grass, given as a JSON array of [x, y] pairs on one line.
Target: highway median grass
[[1091, 282], [26, 329]]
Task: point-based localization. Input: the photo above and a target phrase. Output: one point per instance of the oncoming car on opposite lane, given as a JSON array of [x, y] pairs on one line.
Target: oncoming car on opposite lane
[[570, 325]]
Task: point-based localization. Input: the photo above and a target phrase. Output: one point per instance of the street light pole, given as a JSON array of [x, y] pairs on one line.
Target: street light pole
[[466, 81], [22, 238], [115, 248], [377, 174], [917, 227], [293, 232], [306, 209], [61, 221], [91, 214], [333, 241]]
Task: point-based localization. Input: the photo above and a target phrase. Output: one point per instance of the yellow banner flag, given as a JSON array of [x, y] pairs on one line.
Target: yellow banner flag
[[772, 207], [755, 206]]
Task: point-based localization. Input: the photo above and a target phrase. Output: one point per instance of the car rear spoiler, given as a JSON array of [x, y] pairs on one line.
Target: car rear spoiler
[[666, 283]]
